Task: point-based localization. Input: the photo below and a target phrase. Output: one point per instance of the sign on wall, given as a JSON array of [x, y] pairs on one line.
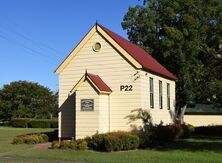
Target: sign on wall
[[87, 104], [126, 88]]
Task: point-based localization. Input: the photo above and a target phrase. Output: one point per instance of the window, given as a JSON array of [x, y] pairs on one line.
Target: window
[[160, 95], [168, 96], [87, 104], [97, 46], [151, 93]]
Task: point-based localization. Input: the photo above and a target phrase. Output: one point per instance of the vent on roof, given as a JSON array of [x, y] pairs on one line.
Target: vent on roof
[[97, 46]]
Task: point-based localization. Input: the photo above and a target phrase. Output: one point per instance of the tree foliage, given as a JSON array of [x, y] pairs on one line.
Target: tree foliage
[[24, 99], [186, 37]]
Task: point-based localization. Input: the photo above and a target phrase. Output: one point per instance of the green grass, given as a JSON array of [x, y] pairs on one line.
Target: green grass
[[8, 133], [192, 150]]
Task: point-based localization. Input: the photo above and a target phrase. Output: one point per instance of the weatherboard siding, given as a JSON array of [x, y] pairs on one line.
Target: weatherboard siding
[[103, 113], [158, 115], [114, 71], [87, 122]]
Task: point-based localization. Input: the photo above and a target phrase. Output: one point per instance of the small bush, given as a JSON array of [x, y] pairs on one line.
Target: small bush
[[145, 139], [130, 142], [209, 130], [55, 145], [178, 130], [18, 140], [81, 144], [188, 130], [73, 145], [96, 142], [163, 134], [19, 122], [30, 139], [65, 144], [159, 135], [114, 141]]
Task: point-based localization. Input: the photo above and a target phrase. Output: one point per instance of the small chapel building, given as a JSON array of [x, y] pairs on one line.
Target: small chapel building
[[103, 79]]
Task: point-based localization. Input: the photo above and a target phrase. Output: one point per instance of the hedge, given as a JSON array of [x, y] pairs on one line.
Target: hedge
[[19, 122], [30, 139], [33, 123], [209, 130], [79, 144]]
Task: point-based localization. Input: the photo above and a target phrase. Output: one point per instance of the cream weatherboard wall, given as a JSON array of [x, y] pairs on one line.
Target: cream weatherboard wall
[[87, 122], [104, 118], [159, 115], [115, 71]]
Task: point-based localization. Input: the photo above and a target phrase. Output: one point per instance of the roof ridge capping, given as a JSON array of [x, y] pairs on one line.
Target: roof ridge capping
[[139, 54]]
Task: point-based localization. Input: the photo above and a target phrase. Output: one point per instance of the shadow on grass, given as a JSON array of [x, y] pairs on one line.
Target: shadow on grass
[[209, 138], [195, 144]]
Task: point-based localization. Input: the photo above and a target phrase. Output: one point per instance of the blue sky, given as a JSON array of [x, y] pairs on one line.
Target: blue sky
[[36, 35]]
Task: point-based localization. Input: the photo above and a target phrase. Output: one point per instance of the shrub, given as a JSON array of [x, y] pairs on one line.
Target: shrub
[[73, 145], [4, 123], [39, 123], [18, 140], [159, 135], [113, 141], [96, 142], [65, 144], [55, 145], [30, 139], [130, 142], [177, 129], [81, 144], [162, 134], [54, 123], [145, 139], [19, 122], [188, 130], [209, 130]]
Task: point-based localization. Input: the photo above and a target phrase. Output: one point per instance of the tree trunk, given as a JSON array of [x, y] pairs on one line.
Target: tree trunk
[[180, 114]]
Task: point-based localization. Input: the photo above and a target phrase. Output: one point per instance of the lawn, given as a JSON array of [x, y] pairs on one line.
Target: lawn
[[192, 150]]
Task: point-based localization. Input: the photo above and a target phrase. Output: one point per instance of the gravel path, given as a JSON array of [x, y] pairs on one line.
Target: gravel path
[[42, 145]]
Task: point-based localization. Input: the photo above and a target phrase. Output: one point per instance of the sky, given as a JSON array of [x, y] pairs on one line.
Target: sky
[[37, 35]]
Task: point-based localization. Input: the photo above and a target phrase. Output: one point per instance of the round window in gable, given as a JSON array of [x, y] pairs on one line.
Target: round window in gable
[[97, 46]]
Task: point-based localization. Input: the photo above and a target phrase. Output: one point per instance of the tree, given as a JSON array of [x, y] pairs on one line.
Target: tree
[[186, 37], [22, 99]]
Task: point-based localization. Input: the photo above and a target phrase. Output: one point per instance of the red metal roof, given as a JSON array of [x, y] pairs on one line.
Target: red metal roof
[[99, 82], [140, 55]]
